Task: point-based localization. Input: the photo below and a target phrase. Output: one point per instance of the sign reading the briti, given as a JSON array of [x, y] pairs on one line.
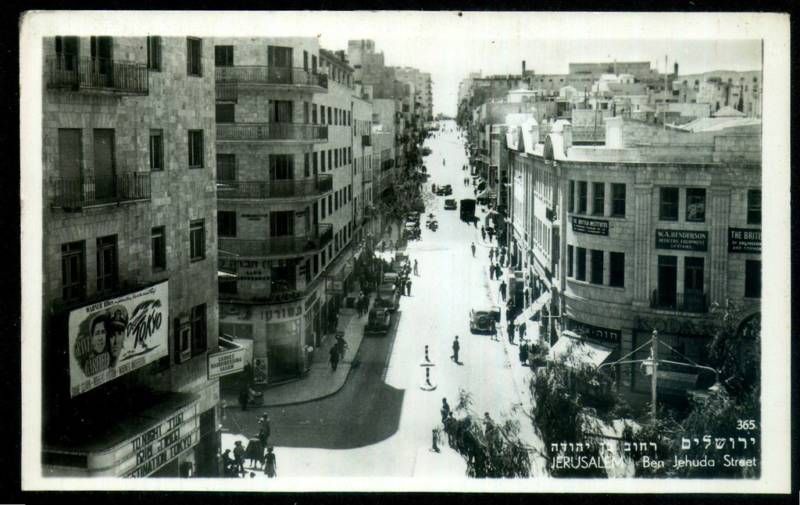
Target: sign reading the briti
[[590, 226], [744, 240]]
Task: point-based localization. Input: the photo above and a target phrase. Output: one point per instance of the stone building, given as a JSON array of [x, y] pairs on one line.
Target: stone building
[[645, 232], [130, 251]]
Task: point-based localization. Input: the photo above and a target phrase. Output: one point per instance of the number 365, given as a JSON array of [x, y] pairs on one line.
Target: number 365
[[745, 424]]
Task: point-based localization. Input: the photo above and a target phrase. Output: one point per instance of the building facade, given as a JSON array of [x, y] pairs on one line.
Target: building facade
[[130, 289], [644, 233]]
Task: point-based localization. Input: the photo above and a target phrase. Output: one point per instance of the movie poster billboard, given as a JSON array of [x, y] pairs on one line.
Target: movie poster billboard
[[117, 336]]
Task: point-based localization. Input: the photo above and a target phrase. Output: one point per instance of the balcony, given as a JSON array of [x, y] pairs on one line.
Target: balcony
[[276, 189], [680, 302], [290, 245], [79, 192], [96, 75], [271, 132], [366, 140], [260, 75]]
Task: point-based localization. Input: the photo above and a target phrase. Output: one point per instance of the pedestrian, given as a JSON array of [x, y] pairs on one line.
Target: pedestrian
[[491, 255], [341, 345], [510, 331], [503, 290], [503, 259], [334, 352], [491, 271], [449, 428], [473, 249], [445, 410], [456, 348], [416, 268], [498, 271], [523, 329], [264, 431], [483, 233], [488, 425], [228, 464], [270, 466], [408, 287], [238, 456], [523, 353], [493, 331]]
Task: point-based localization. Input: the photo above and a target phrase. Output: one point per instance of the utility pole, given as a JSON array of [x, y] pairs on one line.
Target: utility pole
[[664, 115], [654, 378]]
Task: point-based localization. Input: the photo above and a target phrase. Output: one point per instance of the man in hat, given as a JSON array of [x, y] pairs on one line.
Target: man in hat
[[238, 456]]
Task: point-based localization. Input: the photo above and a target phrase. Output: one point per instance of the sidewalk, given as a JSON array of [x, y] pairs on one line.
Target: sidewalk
[[320, 381]]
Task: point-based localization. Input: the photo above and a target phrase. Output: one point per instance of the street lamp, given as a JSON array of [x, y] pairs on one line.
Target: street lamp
[[651, 364]]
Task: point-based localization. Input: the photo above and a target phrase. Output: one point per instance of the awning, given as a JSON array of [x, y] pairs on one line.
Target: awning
[[535, 307], [575, 351], [226, 275]]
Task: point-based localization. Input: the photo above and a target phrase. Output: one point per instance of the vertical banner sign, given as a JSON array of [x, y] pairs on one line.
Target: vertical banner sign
[[117, 336]]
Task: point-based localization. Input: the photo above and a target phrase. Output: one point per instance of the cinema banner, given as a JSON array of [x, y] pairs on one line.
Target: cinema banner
[[117, 336]]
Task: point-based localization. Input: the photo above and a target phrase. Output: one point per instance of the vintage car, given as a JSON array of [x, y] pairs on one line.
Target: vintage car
[[390, 277], [378, 321], [388, 297], [450, 204], [445, 190], [483, 320]]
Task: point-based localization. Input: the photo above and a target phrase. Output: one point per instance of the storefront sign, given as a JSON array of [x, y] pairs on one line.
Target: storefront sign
[[682, 240], [593, 332], [283, 312], [225, 363], [117, 336], [255, 217], [161, 444], [589, 226], [674, 326], [246, 269], [744, 240]]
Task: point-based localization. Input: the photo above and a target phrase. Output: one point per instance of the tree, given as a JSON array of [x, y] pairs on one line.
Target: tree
[[492, 451]]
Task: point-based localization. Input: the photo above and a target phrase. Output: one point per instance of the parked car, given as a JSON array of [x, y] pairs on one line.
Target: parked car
[[378, 321], [483, 320], [388, 297], [450, 204]]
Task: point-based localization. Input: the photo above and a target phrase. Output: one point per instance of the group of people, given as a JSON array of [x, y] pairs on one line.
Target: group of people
[[403, 284], [490, 232], [362, 304], [258, 452], [459, 434]]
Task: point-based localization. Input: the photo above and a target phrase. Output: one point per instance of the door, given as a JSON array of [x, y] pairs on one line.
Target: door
[[667, 281], [279, 62], [693, 296], [102, 61], [70, 154], [104, 180]]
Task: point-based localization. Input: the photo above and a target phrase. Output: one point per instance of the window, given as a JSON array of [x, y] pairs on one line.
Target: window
[[330, 115], [599, 199], [597, 267], [580, 260], [349, 154], [668, 209], [315, 163], [752, 279], [154, 54], [67, 49], [223, 56], [281, 166], [336, 200], [158, 248], [667, 281], [336, 158], [616, 269], [322, 209], [196, 149], [278, 56], [582, 189], [225, 113], [107, 264], [306, 165], [571, 205], [330, 159], [322, 161], [226, 223], [194, 57], [156, 150], [199, 333], [754, 206], [693, 275], [73, 271], [695, 205], [226, 167], [314, 113], [330, 204], [197, 240], [281, 223], [570, 261], [618, 200]]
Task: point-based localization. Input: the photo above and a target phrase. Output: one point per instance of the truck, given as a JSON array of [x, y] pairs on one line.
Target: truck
[[468, 209]]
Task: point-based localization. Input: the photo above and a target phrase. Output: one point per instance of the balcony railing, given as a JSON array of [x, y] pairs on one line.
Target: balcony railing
[[78, 192], [97, 75], [261, 132], [279, 246], [260, 74], [263, 190], [680, 302]]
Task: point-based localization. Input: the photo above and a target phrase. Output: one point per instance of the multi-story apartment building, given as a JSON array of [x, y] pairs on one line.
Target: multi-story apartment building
[[363, 175], [130, 288], [286, 191], [642, 233]]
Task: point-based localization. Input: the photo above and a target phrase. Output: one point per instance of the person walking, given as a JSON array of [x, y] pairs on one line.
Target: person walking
[[264, 430], [493, 331], [334, 359], [341, 345], [238, 456], [523, 353], [456, 348], [270, 465], [445, 411], [408, 287], [498, 272], [510, 331], [416, 268], [483, 233], [473, 249], [503, 290], [491, 271], [491, 255], [228, 464]]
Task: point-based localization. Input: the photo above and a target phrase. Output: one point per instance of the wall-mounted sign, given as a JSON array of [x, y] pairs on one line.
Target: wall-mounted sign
[[246, 269], [226, 362], [682, 240], [593, 332], [744, 240], [117, 336], [590, 226], [163, 443], [278, 313]]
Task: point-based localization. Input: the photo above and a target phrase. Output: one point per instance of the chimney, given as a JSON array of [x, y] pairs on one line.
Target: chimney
[[523, 68], [676, 69]]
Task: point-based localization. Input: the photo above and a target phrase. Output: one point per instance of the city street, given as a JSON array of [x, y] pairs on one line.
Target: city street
[[380, 423]]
